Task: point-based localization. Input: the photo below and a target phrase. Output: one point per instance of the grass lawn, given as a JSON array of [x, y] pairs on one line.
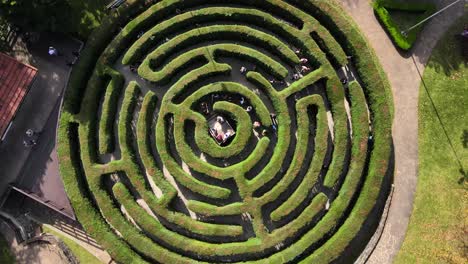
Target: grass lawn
[[438, 229], [405, 19], [5, 255], [80, 253]]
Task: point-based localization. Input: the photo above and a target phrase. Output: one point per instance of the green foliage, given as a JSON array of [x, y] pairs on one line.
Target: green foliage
[[321, 141], [4, 31], [6, 256], [67, 16], [135, 224], [440, 200], [109, 109], [382, 8], [79, 252], [95, 45]]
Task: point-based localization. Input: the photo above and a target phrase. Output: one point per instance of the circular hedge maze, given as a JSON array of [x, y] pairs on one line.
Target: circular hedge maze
[[227, 131]]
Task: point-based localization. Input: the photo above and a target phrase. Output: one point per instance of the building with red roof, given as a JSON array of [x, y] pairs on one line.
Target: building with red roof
[[15, 80]]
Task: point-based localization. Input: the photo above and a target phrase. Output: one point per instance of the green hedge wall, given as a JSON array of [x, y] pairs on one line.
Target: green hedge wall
[[404, 42], [128, 204]]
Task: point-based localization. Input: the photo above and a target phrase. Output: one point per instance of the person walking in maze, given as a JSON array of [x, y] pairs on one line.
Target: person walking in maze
[[274, 121], [53, 51], [243, 70], [305, 69]]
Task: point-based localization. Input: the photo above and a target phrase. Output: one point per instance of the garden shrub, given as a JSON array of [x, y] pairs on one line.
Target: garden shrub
[[298, 180], [403, 41], [108, 112]]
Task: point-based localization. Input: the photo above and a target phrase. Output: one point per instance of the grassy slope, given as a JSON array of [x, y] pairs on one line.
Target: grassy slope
[[438, 227], [80, 253], [5, 255]]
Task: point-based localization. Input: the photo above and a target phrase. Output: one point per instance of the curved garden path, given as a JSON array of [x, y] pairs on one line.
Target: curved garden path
[[404, 73]]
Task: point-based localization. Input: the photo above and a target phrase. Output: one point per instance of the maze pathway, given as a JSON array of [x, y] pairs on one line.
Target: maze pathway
[[306, 174]]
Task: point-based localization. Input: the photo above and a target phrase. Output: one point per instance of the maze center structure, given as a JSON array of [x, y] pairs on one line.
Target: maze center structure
[[305, 174]]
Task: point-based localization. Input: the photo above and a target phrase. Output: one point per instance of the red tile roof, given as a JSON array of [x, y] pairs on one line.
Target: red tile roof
[[15, 80]]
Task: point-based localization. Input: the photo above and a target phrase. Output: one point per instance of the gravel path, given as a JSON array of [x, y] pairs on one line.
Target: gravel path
[[404, 73]]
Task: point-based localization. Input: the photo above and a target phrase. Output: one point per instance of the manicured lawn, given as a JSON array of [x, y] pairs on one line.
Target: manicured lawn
[[439, 224], [80, 253], [5, 255]]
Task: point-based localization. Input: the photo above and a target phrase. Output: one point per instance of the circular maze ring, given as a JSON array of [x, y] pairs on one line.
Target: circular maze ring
[[213, 131]]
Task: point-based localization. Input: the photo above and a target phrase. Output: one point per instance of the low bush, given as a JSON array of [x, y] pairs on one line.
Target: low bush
[[313, 173], [330, 47], [204, 54], [243, 132], [337, 167], [214, 33], [74, 179], [154, 37], [145, 121], [95, 45], [183, 112], [109, 111], [401, 40], [379, 100], [162, 230]]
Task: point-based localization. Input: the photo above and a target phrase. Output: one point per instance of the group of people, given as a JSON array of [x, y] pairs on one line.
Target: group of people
[[274, 81], [31, 138], [248, 108], [300, 70], [205, 108], [220, 137], [217, 130], [259, 129]]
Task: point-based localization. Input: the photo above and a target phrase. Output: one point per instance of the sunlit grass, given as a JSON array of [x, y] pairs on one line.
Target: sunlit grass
[[80, 253], [438, 227]]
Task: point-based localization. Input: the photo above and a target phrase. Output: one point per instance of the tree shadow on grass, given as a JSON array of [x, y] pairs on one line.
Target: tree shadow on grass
[[464, 138], [444, 127], [447, 56], [440, 31]]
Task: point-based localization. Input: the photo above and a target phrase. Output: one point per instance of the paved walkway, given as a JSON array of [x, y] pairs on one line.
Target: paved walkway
[[405, 80], [36, 110]]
